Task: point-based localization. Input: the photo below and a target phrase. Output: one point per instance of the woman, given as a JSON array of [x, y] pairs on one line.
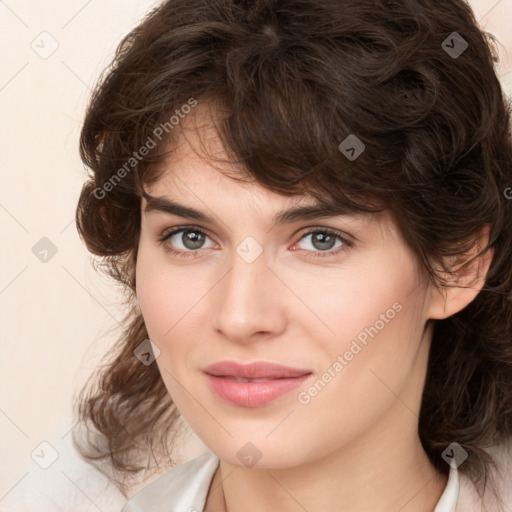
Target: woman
[[306, 203]]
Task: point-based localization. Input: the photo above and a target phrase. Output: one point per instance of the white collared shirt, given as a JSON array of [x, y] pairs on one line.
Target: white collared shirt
[[184, 489]]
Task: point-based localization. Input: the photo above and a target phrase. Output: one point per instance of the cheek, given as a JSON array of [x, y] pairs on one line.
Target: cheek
[[173, 300], [378, 326], [164, 295], [366, 302], [379, 356], [165, 299], [155, 304]]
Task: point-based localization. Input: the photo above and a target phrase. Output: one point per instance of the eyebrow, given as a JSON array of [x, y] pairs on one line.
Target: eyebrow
[[295, 213]]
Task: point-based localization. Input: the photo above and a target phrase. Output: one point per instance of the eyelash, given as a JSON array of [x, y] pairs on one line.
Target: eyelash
[[347, 244]]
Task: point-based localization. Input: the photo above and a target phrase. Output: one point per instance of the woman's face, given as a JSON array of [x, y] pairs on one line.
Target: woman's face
[[346, 317]]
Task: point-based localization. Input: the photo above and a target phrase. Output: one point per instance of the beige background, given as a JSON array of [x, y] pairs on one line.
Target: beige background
[[55, 315]]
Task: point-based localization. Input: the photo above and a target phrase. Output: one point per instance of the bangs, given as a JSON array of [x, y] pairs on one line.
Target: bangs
[[272, 143]]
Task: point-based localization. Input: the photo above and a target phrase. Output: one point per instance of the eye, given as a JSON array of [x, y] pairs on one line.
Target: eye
[[323, 240], [185, 242], [187, 239]]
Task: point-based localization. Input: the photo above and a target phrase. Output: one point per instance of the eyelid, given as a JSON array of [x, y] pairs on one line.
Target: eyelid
[[338, 232], [346, 242], [168, 232], [301, 233]]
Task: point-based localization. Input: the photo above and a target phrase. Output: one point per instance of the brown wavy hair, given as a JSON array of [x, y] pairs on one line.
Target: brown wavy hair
[[293, 79]]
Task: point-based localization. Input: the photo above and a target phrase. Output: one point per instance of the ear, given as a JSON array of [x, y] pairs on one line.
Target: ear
[[470, 271]]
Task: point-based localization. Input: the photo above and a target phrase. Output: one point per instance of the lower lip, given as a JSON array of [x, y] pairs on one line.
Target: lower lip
[[253, 394]]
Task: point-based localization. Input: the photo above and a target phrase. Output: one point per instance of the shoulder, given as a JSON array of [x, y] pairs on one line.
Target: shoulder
[[182, 488], [495, 499]]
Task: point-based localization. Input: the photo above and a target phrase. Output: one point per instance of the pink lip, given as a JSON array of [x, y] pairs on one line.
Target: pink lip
[[278, 380]]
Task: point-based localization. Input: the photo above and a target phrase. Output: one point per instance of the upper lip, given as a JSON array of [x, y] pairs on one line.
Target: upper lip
[[254, 370]]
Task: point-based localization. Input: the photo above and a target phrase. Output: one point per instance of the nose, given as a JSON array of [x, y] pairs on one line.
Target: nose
[[249, 301]]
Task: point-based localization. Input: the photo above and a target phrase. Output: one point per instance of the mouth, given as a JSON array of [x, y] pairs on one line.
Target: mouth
[[255, 384], [240, 379]]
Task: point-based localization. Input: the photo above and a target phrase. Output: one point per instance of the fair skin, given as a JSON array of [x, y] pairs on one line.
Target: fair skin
[[354, 446]]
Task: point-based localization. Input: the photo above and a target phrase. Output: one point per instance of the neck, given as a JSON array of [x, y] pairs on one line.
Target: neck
[[375, 474]]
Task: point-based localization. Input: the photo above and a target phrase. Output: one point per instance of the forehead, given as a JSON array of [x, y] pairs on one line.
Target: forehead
[[199, 173], [197, 160]]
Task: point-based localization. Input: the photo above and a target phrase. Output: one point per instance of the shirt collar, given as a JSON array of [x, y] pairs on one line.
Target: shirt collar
[[448, 500]]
